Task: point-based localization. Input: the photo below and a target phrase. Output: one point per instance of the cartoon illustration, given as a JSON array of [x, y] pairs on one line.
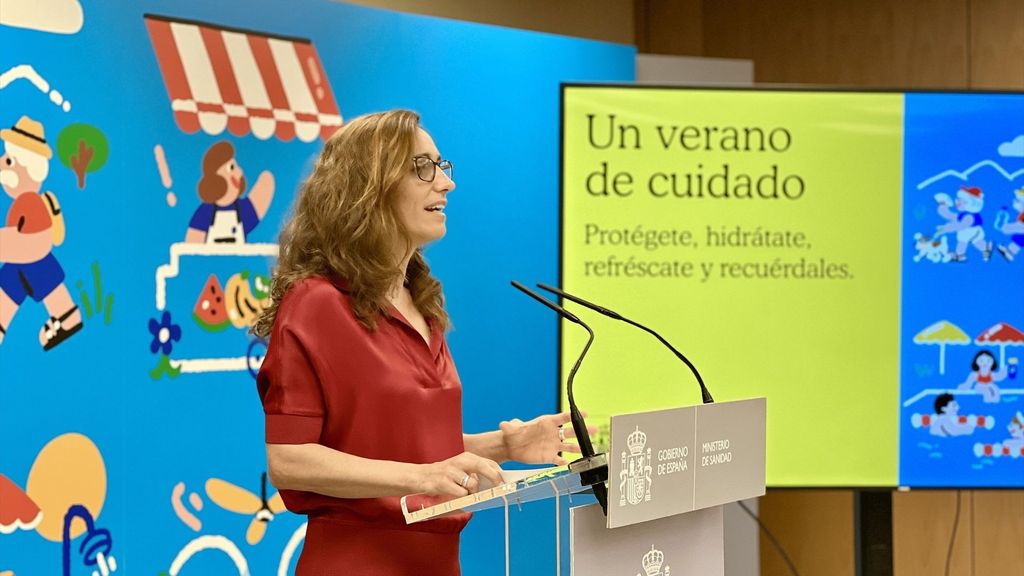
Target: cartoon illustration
[[1011, 149], [184, 514], [165, 333], [19, 512], [57, 16], [1016, 428], [83, 149], [985, 372], [225, 217], [1015, 228], [60, 510], [237, 303], [96, 547], [229, 549], [240, 80], [239, 500], [947, 421], [942, 333], [1001, 334], [234, 499], [936, 250], [34, 224], [244, 82], [965, 220], [927, 420], [1012, 447], [28, 73], [228, 308], [165, 174], [104, 300]]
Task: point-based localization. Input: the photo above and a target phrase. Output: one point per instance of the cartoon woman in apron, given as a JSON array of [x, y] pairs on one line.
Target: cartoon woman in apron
[[225, 217]]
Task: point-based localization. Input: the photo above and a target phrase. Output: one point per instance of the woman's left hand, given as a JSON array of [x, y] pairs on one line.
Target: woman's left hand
[[540, 440]]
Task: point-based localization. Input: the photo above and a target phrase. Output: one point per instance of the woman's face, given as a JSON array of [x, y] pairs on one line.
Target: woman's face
[[985, 362], [420, 205], [232, 173]]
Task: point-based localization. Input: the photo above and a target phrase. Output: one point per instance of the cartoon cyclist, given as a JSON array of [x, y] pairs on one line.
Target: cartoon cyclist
[[965, 220], [1015, 228], [985, 372], [225, 217], [33, 224]]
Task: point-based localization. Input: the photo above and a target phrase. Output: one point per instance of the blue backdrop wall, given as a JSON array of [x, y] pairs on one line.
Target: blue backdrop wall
[[148, 417]]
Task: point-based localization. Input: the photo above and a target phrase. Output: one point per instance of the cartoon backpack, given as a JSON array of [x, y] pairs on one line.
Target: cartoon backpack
[[56, 217]]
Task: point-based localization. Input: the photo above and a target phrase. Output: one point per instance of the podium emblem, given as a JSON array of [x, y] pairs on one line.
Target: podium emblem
[[636, 471], [652, 563]]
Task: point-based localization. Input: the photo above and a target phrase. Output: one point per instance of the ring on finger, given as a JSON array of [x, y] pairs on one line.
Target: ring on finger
[[465, 481], [561, 434]]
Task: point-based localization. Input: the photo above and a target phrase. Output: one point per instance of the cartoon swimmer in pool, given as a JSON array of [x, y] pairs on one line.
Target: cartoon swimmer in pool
[[985, 372], [947, 420]]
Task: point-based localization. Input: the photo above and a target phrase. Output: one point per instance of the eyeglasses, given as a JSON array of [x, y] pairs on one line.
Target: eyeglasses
[[426, 169]]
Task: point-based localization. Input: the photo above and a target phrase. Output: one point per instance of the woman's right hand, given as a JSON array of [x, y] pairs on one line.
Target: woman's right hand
[[456, 476]]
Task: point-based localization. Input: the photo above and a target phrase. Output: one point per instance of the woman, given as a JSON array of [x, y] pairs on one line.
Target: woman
[[225, 216], [985, 372], [362, 400]]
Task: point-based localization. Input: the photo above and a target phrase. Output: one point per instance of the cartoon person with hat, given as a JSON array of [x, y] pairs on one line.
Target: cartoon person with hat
[[32, 227], [1014, 228], [965, 221]]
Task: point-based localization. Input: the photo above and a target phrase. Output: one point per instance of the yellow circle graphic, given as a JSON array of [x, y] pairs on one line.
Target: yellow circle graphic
[[68, 470]]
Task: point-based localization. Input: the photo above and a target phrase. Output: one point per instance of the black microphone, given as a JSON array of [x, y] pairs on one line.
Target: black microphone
[[705, 394], [592, 475]]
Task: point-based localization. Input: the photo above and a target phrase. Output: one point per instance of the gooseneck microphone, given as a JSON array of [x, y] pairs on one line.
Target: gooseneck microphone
[[705, 394], [591, 476]]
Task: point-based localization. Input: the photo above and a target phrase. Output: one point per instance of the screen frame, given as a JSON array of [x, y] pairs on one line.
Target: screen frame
[[565, 86]]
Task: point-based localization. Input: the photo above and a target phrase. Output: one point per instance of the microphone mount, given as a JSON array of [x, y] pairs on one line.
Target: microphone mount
[[592, 468], [704, 392]]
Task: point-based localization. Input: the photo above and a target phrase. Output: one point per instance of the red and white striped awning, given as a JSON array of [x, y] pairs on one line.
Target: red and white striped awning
[[221, 78]]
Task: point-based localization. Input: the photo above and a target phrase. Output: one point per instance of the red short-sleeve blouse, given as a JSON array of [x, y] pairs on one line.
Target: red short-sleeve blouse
[[383, 395]]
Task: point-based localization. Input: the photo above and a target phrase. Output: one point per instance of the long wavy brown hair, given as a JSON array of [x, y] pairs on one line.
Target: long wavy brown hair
[[345, 223]]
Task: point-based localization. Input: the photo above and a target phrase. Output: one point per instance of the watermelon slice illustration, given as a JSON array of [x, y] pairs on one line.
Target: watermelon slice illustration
[[211, 311], [18, 510]]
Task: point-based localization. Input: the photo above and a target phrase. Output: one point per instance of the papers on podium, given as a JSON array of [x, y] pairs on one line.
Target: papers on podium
[[520, 487]]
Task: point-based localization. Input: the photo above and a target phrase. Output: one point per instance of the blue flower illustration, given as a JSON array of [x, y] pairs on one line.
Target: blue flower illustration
[[164, 333]]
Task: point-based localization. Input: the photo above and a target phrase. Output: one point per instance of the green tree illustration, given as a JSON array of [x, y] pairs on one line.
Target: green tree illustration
[[83, 148]]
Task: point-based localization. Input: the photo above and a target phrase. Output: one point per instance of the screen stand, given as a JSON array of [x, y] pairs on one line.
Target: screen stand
[[873, 521]]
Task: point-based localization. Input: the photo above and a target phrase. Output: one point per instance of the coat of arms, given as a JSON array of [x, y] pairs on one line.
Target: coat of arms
[[636, 470]]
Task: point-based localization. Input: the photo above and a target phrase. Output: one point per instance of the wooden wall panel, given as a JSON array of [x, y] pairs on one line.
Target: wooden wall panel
[[814, 526], [922, 526], [998, 525], [878, 43], [608, 20], [989, 540], [669, 27], [997, 44]]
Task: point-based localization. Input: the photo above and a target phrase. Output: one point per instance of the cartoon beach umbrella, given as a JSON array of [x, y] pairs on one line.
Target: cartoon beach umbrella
[[18, 510], [1002, 335], [942, 333]]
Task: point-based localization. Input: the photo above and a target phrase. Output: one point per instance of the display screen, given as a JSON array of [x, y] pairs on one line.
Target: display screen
[[855, 257]]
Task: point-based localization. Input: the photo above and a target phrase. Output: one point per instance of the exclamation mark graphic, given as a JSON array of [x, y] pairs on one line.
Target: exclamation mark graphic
[[165, 174]]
